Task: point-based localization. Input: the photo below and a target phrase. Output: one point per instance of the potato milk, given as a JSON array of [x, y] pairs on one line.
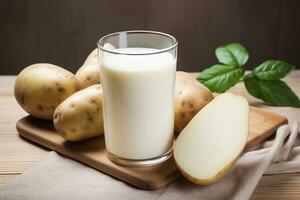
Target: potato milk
[[138, 102]]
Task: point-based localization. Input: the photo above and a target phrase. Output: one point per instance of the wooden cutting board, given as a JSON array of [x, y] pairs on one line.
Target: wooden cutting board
[[92, 152]]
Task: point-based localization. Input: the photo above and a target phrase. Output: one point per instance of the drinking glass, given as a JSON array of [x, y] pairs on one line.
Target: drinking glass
[[137, 71]]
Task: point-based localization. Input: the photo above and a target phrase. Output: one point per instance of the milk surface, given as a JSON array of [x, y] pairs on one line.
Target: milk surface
[[138, 102]]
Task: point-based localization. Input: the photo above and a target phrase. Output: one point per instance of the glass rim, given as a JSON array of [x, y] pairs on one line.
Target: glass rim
[[174, 41]]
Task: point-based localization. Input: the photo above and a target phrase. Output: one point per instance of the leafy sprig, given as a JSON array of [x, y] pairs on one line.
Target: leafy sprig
[[263, 82]]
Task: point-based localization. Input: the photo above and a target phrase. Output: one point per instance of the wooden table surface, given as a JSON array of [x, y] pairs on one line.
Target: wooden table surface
[[17, 154]]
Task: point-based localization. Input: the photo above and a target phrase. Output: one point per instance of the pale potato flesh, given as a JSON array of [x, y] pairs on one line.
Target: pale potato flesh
[[214, 139]]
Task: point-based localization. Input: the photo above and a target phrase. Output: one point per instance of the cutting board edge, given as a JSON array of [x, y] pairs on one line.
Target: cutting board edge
[[139, 183], [270, 132], [150, 185]]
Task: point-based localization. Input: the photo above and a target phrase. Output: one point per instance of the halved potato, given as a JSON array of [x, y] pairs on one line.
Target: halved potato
[[214, 139]]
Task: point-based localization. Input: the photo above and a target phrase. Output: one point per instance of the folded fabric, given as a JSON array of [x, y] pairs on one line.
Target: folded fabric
[[58, 177]]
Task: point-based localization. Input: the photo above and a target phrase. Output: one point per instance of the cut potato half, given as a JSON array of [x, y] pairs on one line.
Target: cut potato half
[[213, 140]]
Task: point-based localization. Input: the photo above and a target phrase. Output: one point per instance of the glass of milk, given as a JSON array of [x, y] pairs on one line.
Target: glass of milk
[[137, 71]]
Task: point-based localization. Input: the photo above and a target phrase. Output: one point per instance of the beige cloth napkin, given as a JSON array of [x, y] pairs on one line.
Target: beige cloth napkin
[[58, 177]]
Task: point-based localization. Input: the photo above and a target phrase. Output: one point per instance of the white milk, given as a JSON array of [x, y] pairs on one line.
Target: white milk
[[138, 103]]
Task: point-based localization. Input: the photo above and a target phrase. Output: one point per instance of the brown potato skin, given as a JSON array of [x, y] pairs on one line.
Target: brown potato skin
[[89, 73], [92, 57], [41, 87], [190, 97], [80, 116]]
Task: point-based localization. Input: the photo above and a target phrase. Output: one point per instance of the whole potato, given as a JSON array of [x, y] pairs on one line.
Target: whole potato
[[80, 116], [92, 57], [190, 97], [89, 73], [41, 87]]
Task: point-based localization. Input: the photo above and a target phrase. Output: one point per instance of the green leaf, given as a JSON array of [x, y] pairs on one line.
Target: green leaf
[[272, 70], [232, 54], [273, 92], [220, 78]]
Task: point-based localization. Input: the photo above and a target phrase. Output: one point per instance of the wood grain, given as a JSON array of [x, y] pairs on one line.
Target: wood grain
[[64, 32], [291, 28], [262, 124], [60, 32], [92, 152], [283, 186], [16, 154], [202, 25]]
